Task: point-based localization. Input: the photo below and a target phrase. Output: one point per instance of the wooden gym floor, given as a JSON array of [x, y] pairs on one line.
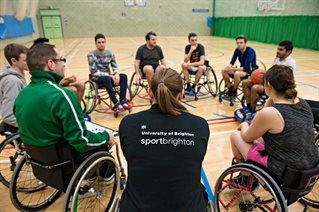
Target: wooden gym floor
[[219, 51]]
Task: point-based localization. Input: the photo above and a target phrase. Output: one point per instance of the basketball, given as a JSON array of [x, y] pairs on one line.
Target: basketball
[[257, 76]]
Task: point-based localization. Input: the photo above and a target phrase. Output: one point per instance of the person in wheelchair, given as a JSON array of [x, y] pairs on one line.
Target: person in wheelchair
[[247, 58], [252, 91], [148, 58], [194, 60], [286, 128], [12, 81], [164, 147], [68, 82], [47, 113], [99, 61]]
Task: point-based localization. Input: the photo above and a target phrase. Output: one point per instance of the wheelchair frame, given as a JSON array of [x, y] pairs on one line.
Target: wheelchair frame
[[94, 96], [139, 88], [269, 194], [35, 195], [207, 79]]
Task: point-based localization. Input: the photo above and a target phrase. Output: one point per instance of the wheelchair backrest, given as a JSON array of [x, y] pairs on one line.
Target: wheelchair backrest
[[297, 183], [54, 165]]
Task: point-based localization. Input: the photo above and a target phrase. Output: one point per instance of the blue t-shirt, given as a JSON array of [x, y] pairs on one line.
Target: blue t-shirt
[[247, 59]]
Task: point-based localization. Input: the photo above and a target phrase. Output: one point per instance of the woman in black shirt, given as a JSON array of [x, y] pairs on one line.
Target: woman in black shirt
[[164, 147]]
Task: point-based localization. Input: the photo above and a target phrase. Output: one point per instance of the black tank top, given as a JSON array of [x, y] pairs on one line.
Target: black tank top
[[294, 146]]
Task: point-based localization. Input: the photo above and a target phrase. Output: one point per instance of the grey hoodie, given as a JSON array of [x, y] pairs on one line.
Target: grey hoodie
[[11, 83]]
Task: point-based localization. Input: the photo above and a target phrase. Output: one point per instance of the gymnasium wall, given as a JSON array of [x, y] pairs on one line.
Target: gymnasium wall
[[11, 10], [298, 21], [165, 17]]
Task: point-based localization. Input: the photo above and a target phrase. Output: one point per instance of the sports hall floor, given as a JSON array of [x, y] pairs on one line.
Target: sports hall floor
[[219, 51]]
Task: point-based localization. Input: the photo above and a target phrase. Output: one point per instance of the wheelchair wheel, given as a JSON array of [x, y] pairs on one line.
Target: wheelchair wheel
[[211, 80], [261, 65], [11, 152], [134, 86], [88, 190], [312, 198], [259, 192], [90, 96], [27, 193]]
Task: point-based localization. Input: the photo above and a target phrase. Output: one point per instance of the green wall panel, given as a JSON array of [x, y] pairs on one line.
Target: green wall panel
[[302, 30]]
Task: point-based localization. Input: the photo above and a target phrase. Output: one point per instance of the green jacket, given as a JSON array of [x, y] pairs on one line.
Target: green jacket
[[47, 113]]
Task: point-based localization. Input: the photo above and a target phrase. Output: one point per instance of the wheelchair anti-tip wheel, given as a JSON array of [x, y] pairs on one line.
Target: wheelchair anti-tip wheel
[[27, 193], [256, 191], [93, 188]]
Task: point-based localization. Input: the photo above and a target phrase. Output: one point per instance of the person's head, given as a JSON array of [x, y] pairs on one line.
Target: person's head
[[16, 56], [151, 39], [40, 40], [100, 41], [167, 89], [279, 80], [284, 49], [241, 42], [46, 57], [192, 38]]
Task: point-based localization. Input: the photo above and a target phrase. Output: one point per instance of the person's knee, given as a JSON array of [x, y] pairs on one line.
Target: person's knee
[[184, 66], [148, 69], [159, 68], [123, 77], [201, 69], [234, 137]]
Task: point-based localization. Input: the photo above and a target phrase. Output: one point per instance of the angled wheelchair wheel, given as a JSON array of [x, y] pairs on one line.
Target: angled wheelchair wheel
[[211, 81], [261, 64], [90, 96], [90, 189], [11, 151], [134, 86], [258, 192], [27, 193], [312, 198]]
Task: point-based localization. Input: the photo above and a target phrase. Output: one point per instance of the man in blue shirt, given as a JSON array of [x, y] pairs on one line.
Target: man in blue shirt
[[247, 58]]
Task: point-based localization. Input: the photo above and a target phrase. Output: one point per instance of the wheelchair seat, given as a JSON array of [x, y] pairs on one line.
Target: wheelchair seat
[[54, 165]]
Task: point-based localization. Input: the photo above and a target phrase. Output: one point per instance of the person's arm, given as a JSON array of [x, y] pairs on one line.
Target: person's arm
[[92, 64], [162, 60], [116, 71], [188, 52], [138, 58], [251, 56], [11, 88], [234, 58], [265, 120], [68, 110]]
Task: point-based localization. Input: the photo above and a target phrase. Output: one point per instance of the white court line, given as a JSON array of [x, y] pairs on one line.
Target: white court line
[[71, 44], [71, 56], [221, 133]]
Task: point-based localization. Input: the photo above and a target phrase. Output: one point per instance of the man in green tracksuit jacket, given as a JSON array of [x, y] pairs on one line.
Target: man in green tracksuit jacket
[[47, 113]]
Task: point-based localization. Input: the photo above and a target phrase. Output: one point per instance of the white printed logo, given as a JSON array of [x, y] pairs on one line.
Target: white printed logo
[[143, 127]]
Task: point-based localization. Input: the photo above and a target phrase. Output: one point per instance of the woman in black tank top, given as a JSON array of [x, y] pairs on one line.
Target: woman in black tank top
[[280, 135]]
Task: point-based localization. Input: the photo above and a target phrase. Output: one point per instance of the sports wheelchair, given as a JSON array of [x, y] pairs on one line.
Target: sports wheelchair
[[207, 84], [95, 94], [39, 179], [223, 90], [11, 151], [262, 190], [139, 87]]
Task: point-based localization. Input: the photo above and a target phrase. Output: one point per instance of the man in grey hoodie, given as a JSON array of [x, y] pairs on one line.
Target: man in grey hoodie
[[12, 81]]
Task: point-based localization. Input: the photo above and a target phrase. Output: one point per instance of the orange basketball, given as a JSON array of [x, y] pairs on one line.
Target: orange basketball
[[257, 76]]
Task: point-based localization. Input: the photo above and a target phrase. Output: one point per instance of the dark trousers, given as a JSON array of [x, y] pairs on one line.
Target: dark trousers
[[4, 127], [108, 83]]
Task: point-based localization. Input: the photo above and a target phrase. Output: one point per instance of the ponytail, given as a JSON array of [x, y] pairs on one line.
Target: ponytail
[[166, 85]]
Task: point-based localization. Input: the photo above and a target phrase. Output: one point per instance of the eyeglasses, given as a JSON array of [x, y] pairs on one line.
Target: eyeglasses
[[59, 59]]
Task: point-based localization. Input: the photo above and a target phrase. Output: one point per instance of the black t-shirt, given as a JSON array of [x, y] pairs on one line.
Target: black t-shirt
[[197, 53], [164, 155], [149, 56]]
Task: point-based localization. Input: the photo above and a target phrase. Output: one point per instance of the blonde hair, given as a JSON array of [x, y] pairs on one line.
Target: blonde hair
[[166, 85]]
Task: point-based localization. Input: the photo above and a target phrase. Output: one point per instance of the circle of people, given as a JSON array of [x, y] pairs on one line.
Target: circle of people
[[164, 145]]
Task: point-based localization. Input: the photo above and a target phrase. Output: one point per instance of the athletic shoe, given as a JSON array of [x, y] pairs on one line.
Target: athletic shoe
[[118, 107], [244, 181], [126, 105]]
